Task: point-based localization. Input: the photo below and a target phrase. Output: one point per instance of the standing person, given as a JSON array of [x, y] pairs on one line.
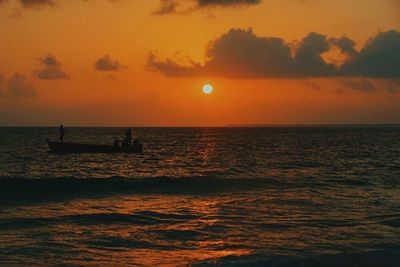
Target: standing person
[[128, 136], [62, 132]]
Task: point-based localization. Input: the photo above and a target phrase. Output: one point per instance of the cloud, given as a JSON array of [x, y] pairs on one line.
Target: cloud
[[345, 44], [39, 4], [313, 85], [203, 3], [236, 54], [308, 60], [50, 60], [360, 85], [167, 7], [51, 69], [393, 87], [17, 86], [185, 6], [105, 63], [170, 68], [36, 3], [393, 90], [241, 54], [379, 58]]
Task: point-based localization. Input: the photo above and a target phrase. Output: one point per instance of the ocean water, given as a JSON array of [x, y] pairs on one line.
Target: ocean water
[[311, 196]]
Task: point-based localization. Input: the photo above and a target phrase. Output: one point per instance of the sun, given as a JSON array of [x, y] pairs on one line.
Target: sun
[[208, 89]]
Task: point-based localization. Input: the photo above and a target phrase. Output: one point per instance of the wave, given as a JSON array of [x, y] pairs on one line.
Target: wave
[[20, 188], [15, 188], [372, 258], [137, 218]]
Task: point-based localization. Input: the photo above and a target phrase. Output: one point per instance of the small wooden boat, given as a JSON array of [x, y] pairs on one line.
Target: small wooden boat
[[58, 147]]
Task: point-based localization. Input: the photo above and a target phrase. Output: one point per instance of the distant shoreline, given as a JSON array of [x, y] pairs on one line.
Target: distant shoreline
[[312, 125]]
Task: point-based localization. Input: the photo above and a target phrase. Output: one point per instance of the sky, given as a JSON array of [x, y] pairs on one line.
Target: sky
[[144, 62]]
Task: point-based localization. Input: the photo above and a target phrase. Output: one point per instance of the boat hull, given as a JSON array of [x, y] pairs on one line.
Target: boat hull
[[58, 147]]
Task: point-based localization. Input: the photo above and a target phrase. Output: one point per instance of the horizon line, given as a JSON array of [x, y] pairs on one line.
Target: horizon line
[[250, 125]]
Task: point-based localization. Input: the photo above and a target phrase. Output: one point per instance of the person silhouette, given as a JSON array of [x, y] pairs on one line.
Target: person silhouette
[[135, 143], [62, 133], [116, 143], [128, 136]]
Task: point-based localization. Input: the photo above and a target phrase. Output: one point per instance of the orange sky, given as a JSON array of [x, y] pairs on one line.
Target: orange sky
[[76, 34]]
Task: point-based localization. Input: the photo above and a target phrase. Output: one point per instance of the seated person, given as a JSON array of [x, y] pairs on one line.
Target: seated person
[[136, 143], [128, 136], [116, 143]]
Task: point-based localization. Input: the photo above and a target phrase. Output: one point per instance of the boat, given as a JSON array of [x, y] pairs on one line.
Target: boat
[[62, 147]]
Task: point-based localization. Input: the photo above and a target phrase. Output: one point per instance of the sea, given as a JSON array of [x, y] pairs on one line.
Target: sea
[[256, 196]]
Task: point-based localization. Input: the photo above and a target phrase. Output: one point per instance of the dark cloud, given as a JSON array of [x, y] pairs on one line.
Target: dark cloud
[[51, 69], [17, 86], [170, 68], [203, 3], [167, 7], [345, 44], [236, 54], [379, 58], [50, 60], [39, 4], [185, 6], [308, 59], [242, 54], [36, 3], [105, 63], [52, 73]]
